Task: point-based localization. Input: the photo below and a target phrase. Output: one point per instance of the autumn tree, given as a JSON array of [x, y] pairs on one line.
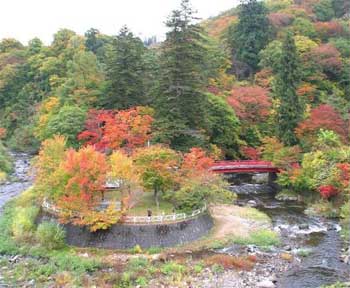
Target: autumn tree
[[251, 103], [157, 166], [251, 34], [123, 170], [322, 117], [196, 161], [125, 129], [328, 58], [48, 175], [287, 78], [125, 72]]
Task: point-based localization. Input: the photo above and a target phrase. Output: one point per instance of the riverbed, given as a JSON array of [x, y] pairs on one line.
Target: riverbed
[[314, 242]]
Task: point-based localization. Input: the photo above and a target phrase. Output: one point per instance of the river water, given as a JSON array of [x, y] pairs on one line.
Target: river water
[[20, 179], [317, 238]]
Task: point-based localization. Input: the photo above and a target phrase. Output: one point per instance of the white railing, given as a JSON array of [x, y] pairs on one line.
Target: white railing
[[50, 208], [164, 218]]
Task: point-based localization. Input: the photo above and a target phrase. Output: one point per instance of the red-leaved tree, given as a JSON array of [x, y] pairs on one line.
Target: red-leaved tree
[[322, 117], [125, 129], [251, 103], [329, 29], [328, 58]]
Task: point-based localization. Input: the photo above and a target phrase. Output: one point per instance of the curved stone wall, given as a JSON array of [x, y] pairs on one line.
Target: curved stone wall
[[122, 236]]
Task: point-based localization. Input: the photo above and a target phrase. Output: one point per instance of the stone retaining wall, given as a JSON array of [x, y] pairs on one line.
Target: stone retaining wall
[[128, 236]]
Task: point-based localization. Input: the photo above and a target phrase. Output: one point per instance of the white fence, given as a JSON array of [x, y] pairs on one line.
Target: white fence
[[50, 208], [164, 218]]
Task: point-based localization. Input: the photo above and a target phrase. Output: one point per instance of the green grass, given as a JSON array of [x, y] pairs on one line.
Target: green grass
[[260, 238], [253, 214], [147, 202]]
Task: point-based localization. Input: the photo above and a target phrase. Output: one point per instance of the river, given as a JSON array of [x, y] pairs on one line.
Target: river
[[316, 238], [19, 181]]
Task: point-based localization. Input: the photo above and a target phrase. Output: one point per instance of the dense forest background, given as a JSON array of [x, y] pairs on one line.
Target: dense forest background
[[278, 68]]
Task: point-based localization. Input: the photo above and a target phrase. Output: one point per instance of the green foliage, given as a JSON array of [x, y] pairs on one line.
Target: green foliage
[[68, 122], [289, 109], [324, 10], [304, 27], [262, 238], [223, 125], [5, 160], [125, 71], [180, 103], [251, 34], [172, 268], [345, 215], [50, 235], [23, 223], [194, 195]]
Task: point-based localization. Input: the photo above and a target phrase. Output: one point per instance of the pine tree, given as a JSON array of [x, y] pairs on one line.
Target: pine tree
[[181, 100], [125, 72], [290, 109], [251, 34]]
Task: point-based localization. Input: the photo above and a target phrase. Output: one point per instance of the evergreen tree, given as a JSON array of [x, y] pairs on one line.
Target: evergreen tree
[[251, 34], [125, 72], [180, 102], [290, 109]]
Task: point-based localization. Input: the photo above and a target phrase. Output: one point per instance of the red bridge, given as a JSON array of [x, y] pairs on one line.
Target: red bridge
[[244, 166]]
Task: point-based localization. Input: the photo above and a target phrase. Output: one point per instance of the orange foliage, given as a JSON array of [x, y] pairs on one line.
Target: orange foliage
[[125, 129], [86, 172], [196, 161], [307, 91], [217, 26], [263, 78], [2, 133], [251, 103]]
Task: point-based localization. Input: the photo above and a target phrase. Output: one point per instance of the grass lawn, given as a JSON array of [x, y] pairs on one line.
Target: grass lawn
[[146, 202]]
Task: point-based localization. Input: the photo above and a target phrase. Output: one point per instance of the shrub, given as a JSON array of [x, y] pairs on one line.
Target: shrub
[[5, 160], [23, 222], [65, 261], [172, 268], [50, 235]]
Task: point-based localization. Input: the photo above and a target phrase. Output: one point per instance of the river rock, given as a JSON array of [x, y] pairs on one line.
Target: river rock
[[286, 256], [252, 203], [304, 226], [266, 284]]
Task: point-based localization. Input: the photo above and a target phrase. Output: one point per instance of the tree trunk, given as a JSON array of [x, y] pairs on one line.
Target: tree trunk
[[156, 196]]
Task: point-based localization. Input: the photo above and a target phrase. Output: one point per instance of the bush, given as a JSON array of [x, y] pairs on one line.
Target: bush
[[23, 222], [50, 235], [172, 268], [65, 261], [5, 160]]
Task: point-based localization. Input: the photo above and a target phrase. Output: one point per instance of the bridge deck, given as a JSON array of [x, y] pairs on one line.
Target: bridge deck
[[248, 166]]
